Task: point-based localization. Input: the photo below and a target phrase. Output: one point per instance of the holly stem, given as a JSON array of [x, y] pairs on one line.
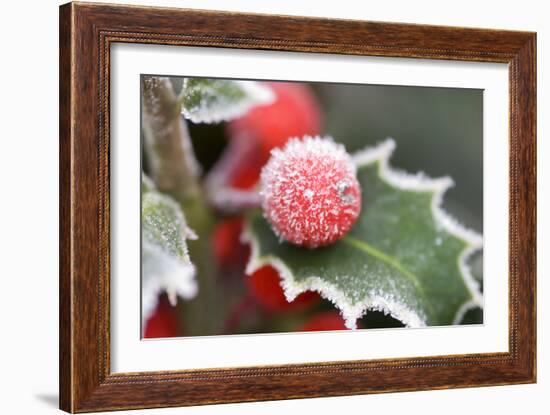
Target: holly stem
[[172, 163], [203, 315], [174, 169]]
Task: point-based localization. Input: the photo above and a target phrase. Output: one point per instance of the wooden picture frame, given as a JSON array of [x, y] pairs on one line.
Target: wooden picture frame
[[86, 33]]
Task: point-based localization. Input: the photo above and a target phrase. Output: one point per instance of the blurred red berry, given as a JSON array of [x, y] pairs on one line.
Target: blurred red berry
[[226, 242], [163, 322], [246, 173], [294, 113], [264, 285], [325, 321]]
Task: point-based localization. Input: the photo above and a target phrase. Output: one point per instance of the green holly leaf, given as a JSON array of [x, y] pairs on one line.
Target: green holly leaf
[[209, 101], [405, 256], [165, 262]]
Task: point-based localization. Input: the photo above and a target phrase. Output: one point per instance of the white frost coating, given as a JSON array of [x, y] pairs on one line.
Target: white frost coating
[[351, 312], [420, 182], [255, 94], [464, 308], [233, 200], [171, 275], [166, 266]]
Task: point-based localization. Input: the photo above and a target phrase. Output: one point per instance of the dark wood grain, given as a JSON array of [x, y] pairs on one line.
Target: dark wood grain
[[65, 246], [86, 33]]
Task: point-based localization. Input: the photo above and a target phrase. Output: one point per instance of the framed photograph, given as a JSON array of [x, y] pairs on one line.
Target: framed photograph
[[259, 207]]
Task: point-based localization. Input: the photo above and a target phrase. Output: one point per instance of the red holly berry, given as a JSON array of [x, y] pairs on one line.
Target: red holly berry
[[163, 322], [310, 193], [226, 242], [264, 285], [328, 320], [246, 172], [294, 113]]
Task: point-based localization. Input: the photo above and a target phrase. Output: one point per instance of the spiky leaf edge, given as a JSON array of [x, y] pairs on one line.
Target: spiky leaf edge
[[381, 154]]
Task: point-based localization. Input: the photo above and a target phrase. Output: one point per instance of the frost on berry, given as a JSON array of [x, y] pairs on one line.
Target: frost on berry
[[310, 193]]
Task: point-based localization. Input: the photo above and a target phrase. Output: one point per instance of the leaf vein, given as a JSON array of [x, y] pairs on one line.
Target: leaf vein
[[371, 250]]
